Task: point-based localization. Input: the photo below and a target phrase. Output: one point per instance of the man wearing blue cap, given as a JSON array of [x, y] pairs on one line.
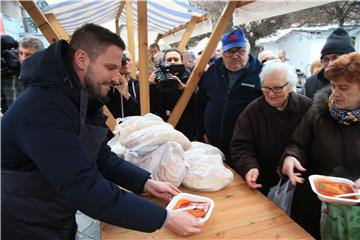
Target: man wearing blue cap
[[227, 87]]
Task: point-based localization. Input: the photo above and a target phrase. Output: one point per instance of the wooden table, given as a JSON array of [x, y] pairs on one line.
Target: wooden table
[[239, 213]]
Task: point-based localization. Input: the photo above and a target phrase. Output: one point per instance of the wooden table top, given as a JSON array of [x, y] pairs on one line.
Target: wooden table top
[[239, 213]]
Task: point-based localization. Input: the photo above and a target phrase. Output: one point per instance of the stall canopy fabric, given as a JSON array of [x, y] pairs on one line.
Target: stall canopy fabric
[[163, 15], [269, 8]]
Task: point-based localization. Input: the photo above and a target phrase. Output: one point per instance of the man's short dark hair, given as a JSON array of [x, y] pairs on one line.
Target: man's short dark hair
[[94, 39], [173, 50], [155, 45]]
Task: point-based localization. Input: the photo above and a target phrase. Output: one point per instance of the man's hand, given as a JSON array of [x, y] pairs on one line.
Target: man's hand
[[163, 190], [181, 85], [251, 177], [183, 223], [123, 88], [290, 163]]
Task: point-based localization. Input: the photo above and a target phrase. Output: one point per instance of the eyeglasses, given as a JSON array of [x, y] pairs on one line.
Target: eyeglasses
[[274, 89], [325, 60], [238, 51]]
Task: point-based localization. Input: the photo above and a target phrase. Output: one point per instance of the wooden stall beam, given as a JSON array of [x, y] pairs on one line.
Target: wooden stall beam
[[118, 13], [38, 17], [131, 35], [205, 56], [143, 57], [183, 26], [159, 36], [57, 27], [187, 34]]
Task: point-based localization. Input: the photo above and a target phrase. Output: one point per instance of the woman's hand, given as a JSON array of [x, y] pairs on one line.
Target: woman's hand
[[163, 190], [152, 78], [251, 177], [123, 88], [290, 163], [183, 223]]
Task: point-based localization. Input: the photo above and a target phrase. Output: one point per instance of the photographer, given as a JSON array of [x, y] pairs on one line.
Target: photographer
[[167, 83], [10, 69], [11, 60]]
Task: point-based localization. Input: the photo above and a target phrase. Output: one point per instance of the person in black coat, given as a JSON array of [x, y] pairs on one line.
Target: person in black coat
[[263, 129], [165, 93], [337, 44], [226, 88], [55, 159], [124, 97]]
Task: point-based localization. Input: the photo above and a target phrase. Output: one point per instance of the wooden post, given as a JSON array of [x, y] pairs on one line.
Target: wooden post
[[38, 17], [118, 13], [187, 34], [57, 27], [130, 34], [143, 57], [205, 56]]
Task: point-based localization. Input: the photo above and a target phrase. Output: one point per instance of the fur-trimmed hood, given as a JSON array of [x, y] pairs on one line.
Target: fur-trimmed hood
[[320, 104]]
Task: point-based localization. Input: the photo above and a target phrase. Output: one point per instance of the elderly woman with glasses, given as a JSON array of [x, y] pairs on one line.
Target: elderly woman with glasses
[[264, 127], [327, 142]]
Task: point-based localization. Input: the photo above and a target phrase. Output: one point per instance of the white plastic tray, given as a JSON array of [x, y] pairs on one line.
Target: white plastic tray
[[329, 199], [195, 198]]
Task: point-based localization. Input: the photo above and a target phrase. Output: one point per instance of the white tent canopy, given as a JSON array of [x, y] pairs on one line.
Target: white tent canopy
[[163, 15], [269, 8]]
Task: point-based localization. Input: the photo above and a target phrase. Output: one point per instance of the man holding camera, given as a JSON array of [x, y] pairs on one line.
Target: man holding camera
[[11, 59], [167, 83]]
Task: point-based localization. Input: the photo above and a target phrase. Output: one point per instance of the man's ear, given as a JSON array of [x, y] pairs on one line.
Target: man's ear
[[81, 60]]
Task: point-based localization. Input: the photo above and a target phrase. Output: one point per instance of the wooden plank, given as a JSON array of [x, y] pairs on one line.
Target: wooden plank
[[40, 20], [199, 68], [57, 27], [130, 34], [118, 13], [183, 26], [239, 213], [143, 57], [187, 34], [110, 122]]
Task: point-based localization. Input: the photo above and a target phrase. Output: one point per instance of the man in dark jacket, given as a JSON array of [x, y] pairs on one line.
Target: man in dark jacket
[[124, 97], [337, 44], [55, 159], [226, 88]]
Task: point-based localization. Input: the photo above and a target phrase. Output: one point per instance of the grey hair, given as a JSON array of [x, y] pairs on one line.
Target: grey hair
[[280, 66], [30, 41]]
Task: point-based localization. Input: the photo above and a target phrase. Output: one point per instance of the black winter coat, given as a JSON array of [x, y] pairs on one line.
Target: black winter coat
[[261, 135], [220, 106], [324, 147], [315, 83], [40, 133]]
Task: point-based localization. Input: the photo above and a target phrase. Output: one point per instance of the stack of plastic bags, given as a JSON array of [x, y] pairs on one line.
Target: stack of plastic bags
[[150, 143]]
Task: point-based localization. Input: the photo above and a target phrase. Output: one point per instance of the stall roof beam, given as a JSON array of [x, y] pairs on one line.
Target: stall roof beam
[[184, 26], [118, 13], [57, 27], [205, 56], [40, 20], [187, 34]]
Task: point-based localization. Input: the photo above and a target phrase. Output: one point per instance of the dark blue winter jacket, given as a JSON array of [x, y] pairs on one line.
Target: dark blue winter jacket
[[40, 132], [221, 106]]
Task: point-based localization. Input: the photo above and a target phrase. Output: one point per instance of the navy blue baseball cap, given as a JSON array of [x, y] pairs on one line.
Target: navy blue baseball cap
[[234, 39]]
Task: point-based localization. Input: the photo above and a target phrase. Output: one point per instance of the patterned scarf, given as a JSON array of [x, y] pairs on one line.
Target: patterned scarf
[[345, 117]]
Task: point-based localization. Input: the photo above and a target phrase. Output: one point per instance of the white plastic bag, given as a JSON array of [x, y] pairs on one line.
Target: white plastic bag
[[281, 195], [166, 163], [148, 139], [207, 171]]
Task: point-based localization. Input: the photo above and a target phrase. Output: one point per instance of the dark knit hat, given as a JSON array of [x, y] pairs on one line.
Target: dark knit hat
[[339, 42]]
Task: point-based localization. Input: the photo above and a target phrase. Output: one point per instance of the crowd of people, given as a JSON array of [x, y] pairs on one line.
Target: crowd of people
[[266, 117]]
